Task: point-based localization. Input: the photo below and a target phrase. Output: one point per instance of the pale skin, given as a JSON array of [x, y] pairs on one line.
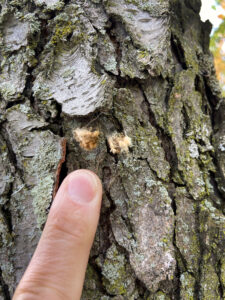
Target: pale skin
[[57, 268]]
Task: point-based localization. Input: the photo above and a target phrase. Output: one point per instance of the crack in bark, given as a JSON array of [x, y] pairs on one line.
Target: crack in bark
[[217, 192], [153, 171], [178, 51], [130, 226], [197, 290], [5, 287], [213, 100], [105, 218], [169, 91], [116, 19], [13, 103], [186, 121], [199, 87], [115, 42], [166, 142], [12, 155], [220, 289], [6, 210], [177, 250]]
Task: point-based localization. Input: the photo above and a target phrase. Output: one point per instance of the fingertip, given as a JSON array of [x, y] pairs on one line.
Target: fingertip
[[76, 207], [83, 185]]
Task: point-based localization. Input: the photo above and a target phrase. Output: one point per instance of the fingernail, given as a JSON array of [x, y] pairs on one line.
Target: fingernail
[[82, 186]]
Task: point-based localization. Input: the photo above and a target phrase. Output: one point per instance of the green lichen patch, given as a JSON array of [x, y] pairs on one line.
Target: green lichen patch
[[44, 166], [187, 239], [145, 142], [222, 274], [190, 130], [187, 286], [118, 278], [159, 296], [41, 194], [209, 284], [212, 223]]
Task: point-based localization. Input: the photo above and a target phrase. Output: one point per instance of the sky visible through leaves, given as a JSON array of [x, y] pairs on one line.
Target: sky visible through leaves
[[214, 10]]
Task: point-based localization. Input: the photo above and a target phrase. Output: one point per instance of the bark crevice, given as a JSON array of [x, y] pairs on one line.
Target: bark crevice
[[4, 287]]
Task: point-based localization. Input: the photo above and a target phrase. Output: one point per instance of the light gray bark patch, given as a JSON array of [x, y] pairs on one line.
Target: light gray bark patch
[[122, 235], [148, 32], [72, 79], [38, 155], [48, 2], [153, 259], [19, 119], [106, 55], [23, 219], [96, 14], [15, 34], [149, 212], [13, 76], [51, 4], [74, 85]]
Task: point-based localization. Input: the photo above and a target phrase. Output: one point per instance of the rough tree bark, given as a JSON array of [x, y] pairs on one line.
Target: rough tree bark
[[141, 68]]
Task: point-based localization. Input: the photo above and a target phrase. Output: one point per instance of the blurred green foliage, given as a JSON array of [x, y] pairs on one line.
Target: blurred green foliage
[[217, 46]]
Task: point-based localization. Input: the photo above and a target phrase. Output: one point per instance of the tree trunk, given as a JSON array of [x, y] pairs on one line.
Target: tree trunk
[[140, 73]]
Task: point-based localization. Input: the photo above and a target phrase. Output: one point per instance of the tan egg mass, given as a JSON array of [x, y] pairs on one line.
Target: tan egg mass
[[86, 138], [119, 142]]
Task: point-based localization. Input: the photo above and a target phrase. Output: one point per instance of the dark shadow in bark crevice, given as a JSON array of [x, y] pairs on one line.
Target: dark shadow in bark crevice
[[5, 288], [219, 274], [178, 51], [202, 248], [217, 193], [64, 169], [11, 153], [7, 213]]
